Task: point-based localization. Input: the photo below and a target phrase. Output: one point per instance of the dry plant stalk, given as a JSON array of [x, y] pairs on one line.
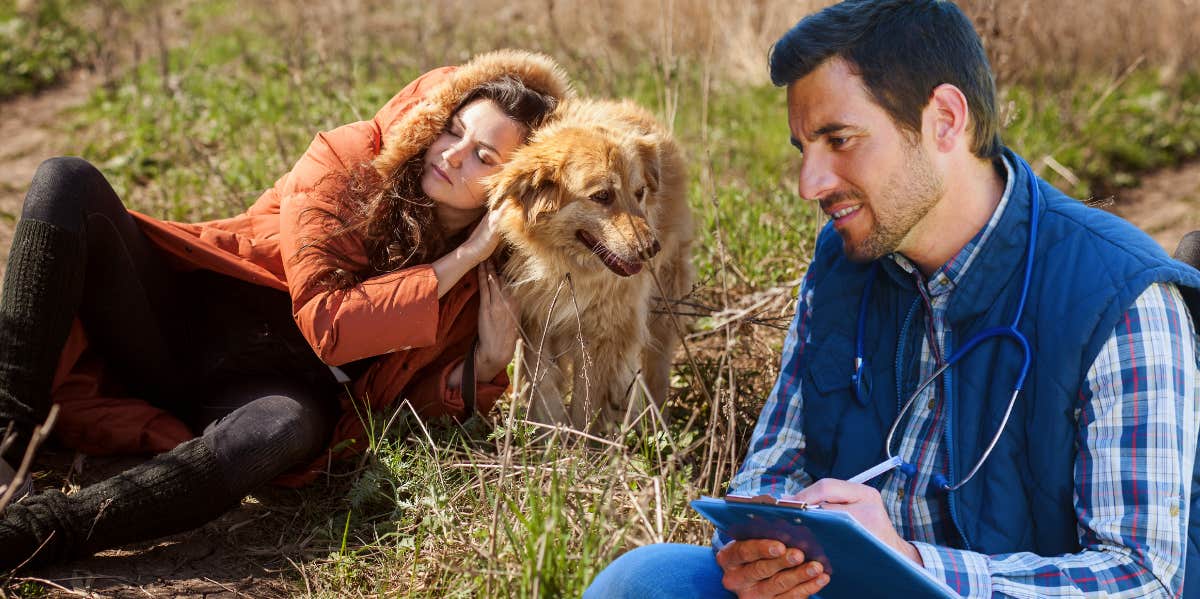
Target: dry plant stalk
[[39, 435]]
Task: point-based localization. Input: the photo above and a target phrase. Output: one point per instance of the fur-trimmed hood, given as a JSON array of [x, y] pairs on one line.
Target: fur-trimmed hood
[[421, 125]]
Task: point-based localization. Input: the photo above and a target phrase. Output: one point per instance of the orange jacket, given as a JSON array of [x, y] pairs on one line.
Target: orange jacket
[[396, 316]]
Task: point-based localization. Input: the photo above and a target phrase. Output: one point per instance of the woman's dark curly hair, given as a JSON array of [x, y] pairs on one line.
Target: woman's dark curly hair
[[393, 215]]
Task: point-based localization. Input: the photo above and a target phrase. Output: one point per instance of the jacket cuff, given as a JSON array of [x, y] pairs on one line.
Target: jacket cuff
[[432, 396], [486, 393]]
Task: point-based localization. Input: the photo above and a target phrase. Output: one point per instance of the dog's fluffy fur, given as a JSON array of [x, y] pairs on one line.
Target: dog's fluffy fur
[[594, 208]]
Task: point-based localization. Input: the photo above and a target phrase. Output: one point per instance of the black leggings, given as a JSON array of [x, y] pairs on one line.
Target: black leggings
[[223, 355]]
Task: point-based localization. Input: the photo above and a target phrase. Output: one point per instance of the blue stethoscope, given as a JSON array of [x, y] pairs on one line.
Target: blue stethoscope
[[1010, 332]]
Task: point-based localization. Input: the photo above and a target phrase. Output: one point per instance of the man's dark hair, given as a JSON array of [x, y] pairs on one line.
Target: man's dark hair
[[902, 50]]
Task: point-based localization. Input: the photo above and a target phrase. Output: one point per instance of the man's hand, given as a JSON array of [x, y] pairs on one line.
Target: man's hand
[[766, 568], [862, 502]]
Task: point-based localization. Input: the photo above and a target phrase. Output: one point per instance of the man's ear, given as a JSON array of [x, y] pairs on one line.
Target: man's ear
[[647, 147], [946, 117], [526, 184]]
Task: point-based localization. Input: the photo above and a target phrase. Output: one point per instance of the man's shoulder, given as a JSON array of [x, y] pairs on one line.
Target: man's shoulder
[[1066, 220]]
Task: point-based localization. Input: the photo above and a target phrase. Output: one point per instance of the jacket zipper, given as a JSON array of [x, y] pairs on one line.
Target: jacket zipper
[[948, 439]]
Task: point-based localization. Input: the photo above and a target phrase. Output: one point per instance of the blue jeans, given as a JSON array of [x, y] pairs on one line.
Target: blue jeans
[[662, 571]]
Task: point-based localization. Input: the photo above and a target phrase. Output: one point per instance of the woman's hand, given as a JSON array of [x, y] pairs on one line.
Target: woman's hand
[[478, 247], [485, 237], [497, 324]]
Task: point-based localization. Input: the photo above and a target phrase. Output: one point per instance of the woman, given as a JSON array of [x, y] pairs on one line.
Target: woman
[[354, 268]]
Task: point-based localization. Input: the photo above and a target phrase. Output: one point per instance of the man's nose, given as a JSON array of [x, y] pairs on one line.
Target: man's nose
[[817, 178]]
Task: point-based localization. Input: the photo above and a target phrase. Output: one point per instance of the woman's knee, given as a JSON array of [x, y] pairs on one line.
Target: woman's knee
[[292, 419], [269, 435], [63, 188]]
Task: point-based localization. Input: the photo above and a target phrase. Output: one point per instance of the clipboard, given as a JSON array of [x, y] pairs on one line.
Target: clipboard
[[858, 564]]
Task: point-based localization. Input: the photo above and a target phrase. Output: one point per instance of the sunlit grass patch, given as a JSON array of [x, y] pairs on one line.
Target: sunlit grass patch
[[518, 511], [39, 43]]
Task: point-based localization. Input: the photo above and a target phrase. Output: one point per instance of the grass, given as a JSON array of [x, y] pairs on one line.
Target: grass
[[197, 128], [38, 45], [1106, 132]]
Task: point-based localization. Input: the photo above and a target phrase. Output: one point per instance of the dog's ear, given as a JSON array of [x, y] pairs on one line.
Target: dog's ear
[[647, 147], [528, 185]]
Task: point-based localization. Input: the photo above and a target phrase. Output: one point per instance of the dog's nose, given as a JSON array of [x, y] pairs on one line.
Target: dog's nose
[[649, 252]]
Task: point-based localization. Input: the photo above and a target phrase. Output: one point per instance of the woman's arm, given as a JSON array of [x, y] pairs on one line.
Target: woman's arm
[[382, 314]]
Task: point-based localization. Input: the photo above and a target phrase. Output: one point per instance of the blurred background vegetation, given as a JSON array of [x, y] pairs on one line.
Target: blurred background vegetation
[[202, 104]]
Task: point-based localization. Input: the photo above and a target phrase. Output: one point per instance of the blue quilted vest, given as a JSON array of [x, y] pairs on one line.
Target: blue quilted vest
[[1089, 267]]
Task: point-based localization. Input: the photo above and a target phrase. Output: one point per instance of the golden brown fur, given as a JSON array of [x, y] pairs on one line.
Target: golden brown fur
[[590, 330]]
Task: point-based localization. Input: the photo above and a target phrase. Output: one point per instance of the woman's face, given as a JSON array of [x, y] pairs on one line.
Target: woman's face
[[476, 141]]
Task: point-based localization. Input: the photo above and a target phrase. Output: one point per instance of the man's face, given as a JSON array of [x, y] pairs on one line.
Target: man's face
[[874, 180]]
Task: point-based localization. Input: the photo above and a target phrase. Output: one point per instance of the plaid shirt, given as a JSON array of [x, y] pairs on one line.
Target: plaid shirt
[[1137, 432]]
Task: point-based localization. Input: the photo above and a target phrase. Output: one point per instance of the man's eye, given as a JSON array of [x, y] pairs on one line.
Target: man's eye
[[837, 142], [483, 157]]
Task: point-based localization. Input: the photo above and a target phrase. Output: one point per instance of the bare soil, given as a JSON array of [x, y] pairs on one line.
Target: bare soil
[[249, 552], [1166, 204], [32, 130]]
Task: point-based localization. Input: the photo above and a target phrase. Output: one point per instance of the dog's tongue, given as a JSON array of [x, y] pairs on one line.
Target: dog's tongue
[[614, 263], [621, 267]]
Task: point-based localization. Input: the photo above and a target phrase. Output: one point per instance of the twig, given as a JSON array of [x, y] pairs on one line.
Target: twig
[[584, 357], [227, 587], [566, 429], [51, 583], [303, 575], [1112, 87], [40, 433]]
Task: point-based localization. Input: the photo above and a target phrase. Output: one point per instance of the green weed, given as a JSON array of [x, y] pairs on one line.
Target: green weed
[[39, 44]]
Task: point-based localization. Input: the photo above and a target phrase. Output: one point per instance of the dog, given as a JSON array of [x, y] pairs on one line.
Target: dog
[[595, 212]]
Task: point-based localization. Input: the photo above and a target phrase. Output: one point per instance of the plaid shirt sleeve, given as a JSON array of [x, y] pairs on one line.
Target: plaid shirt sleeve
[[1137, 431], [775, 461]]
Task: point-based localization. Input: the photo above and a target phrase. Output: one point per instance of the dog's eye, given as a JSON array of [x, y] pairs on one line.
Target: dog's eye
[[641, 194], [601, 197]]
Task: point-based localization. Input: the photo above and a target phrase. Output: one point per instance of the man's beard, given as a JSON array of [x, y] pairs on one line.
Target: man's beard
[[908, 196]]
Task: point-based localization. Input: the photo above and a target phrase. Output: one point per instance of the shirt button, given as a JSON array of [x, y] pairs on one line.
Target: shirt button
[[1174, 511], [932, 403], [900, 494]]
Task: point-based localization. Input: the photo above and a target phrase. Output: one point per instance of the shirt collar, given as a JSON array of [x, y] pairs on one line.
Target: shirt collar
[[944, 278]]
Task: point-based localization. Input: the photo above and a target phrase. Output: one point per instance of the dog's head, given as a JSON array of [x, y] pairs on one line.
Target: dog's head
[[583, 194]]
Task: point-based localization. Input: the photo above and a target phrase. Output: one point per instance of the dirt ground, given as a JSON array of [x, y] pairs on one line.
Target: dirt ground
[[1166, 204], [31, 127], [250, 552]]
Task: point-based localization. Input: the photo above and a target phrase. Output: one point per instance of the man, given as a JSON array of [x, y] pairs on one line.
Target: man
[[1089, 488]]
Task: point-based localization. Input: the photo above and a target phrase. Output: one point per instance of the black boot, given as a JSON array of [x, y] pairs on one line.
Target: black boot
[[41, 294], [173, 492]]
